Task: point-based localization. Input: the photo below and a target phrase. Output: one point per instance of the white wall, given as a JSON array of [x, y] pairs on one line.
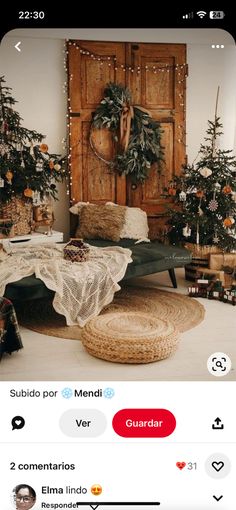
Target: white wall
[[209, 69], [36, 75]]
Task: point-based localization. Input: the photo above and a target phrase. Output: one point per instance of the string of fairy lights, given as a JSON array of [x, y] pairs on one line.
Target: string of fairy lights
[[111, 61]]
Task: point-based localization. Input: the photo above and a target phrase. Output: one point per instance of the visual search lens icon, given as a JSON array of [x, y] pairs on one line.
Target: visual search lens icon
[[219, 364]]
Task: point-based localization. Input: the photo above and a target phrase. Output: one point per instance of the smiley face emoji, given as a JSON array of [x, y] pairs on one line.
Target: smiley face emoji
[[96, 489]]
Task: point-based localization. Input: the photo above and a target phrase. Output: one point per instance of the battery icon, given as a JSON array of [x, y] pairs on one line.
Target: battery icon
[[217, 14]]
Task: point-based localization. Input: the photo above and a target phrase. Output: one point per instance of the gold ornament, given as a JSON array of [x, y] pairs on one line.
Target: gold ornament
[[9, 176], [43, 147], [28, 192], [199, 193], [228, 222], [57, 167], [227, 189]]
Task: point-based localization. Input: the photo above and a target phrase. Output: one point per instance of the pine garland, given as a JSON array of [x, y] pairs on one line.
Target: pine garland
[[144, 145]]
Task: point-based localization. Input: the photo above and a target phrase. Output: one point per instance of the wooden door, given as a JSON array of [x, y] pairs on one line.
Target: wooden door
[[91, 179], [160, 88], [155, 75]]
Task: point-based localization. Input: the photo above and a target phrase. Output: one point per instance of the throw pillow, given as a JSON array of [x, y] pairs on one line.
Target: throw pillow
[[76, 208], [101, 222], [136, 224]]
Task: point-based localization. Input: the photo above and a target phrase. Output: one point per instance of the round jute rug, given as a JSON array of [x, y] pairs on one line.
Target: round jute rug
[[183, 311]]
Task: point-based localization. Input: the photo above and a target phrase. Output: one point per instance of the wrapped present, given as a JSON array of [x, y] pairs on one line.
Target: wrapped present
[[192, 271], [199, 289], [229, 296], [212, 274], [216, 290], [200, 257], [220, 260], [76, 251], [224, 262]]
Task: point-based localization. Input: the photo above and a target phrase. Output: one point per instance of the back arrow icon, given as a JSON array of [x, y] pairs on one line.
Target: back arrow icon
[[17, 46], [217, 498]]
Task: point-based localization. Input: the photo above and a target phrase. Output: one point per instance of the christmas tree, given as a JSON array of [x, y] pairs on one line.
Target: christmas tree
[[26, 166], [205, 196]]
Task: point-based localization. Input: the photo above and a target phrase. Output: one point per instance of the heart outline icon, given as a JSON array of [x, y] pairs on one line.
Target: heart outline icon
[[217, 466], [180, 465]]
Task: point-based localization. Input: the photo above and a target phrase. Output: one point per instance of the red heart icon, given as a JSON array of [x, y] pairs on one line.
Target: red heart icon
[[180, 465]]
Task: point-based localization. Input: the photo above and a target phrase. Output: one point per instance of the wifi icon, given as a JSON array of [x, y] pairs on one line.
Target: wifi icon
[[201, 14]]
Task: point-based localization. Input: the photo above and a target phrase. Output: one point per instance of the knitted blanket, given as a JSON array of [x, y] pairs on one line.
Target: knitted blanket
[[81, 289]]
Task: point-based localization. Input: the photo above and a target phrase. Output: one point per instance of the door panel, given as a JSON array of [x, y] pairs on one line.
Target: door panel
[[160, 87], [92, 179], [157, 86], [155, 75], [99, 181]]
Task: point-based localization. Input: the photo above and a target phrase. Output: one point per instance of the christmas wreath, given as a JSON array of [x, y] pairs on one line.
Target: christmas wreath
[[136, 135]]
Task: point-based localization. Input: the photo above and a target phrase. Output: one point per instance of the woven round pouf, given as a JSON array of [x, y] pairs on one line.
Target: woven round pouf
[[130, 337]]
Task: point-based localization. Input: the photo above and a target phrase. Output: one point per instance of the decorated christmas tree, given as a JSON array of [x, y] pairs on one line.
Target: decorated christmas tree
[[26, 166], [205, 196]]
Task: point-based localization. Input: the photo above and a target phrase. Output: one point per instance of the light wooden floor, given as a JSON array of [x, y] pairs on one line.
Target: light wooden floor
[[52, 359]]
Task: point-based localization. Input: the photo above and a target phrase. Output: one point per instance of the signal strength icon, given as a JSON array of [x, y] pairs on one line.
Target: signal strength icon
[[188, 16], [201, 14]]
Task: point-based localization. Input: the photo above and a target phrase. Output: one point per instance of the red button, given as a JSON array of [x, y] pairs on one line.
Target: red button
[[144, 423]]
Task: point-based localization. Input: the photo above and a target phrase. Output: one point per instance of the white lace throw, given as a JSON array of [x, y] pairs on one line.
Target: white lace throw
[[81, 289]]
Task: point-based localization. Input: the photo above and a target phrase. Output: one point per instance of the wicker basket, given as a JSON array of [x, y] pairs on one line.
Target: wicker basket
[[76, 251], [202, 252], [20, 212]]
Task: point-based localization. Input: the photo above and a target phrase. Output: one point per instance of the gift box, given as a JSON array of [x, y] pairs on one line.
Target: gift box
[[192, 269], [229, 296], [224, 262], [197, 290], [215, 290], [212, 274], [200, 257], [220, 260]]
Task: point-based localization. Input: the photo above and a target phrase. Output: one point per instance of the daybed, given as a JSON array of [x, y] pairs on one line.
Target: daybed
[[148, 258]]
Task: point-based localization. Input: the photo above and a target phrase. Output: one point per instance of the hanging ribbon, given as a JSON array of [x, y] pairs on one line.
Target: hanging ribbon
[[126, 117]]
